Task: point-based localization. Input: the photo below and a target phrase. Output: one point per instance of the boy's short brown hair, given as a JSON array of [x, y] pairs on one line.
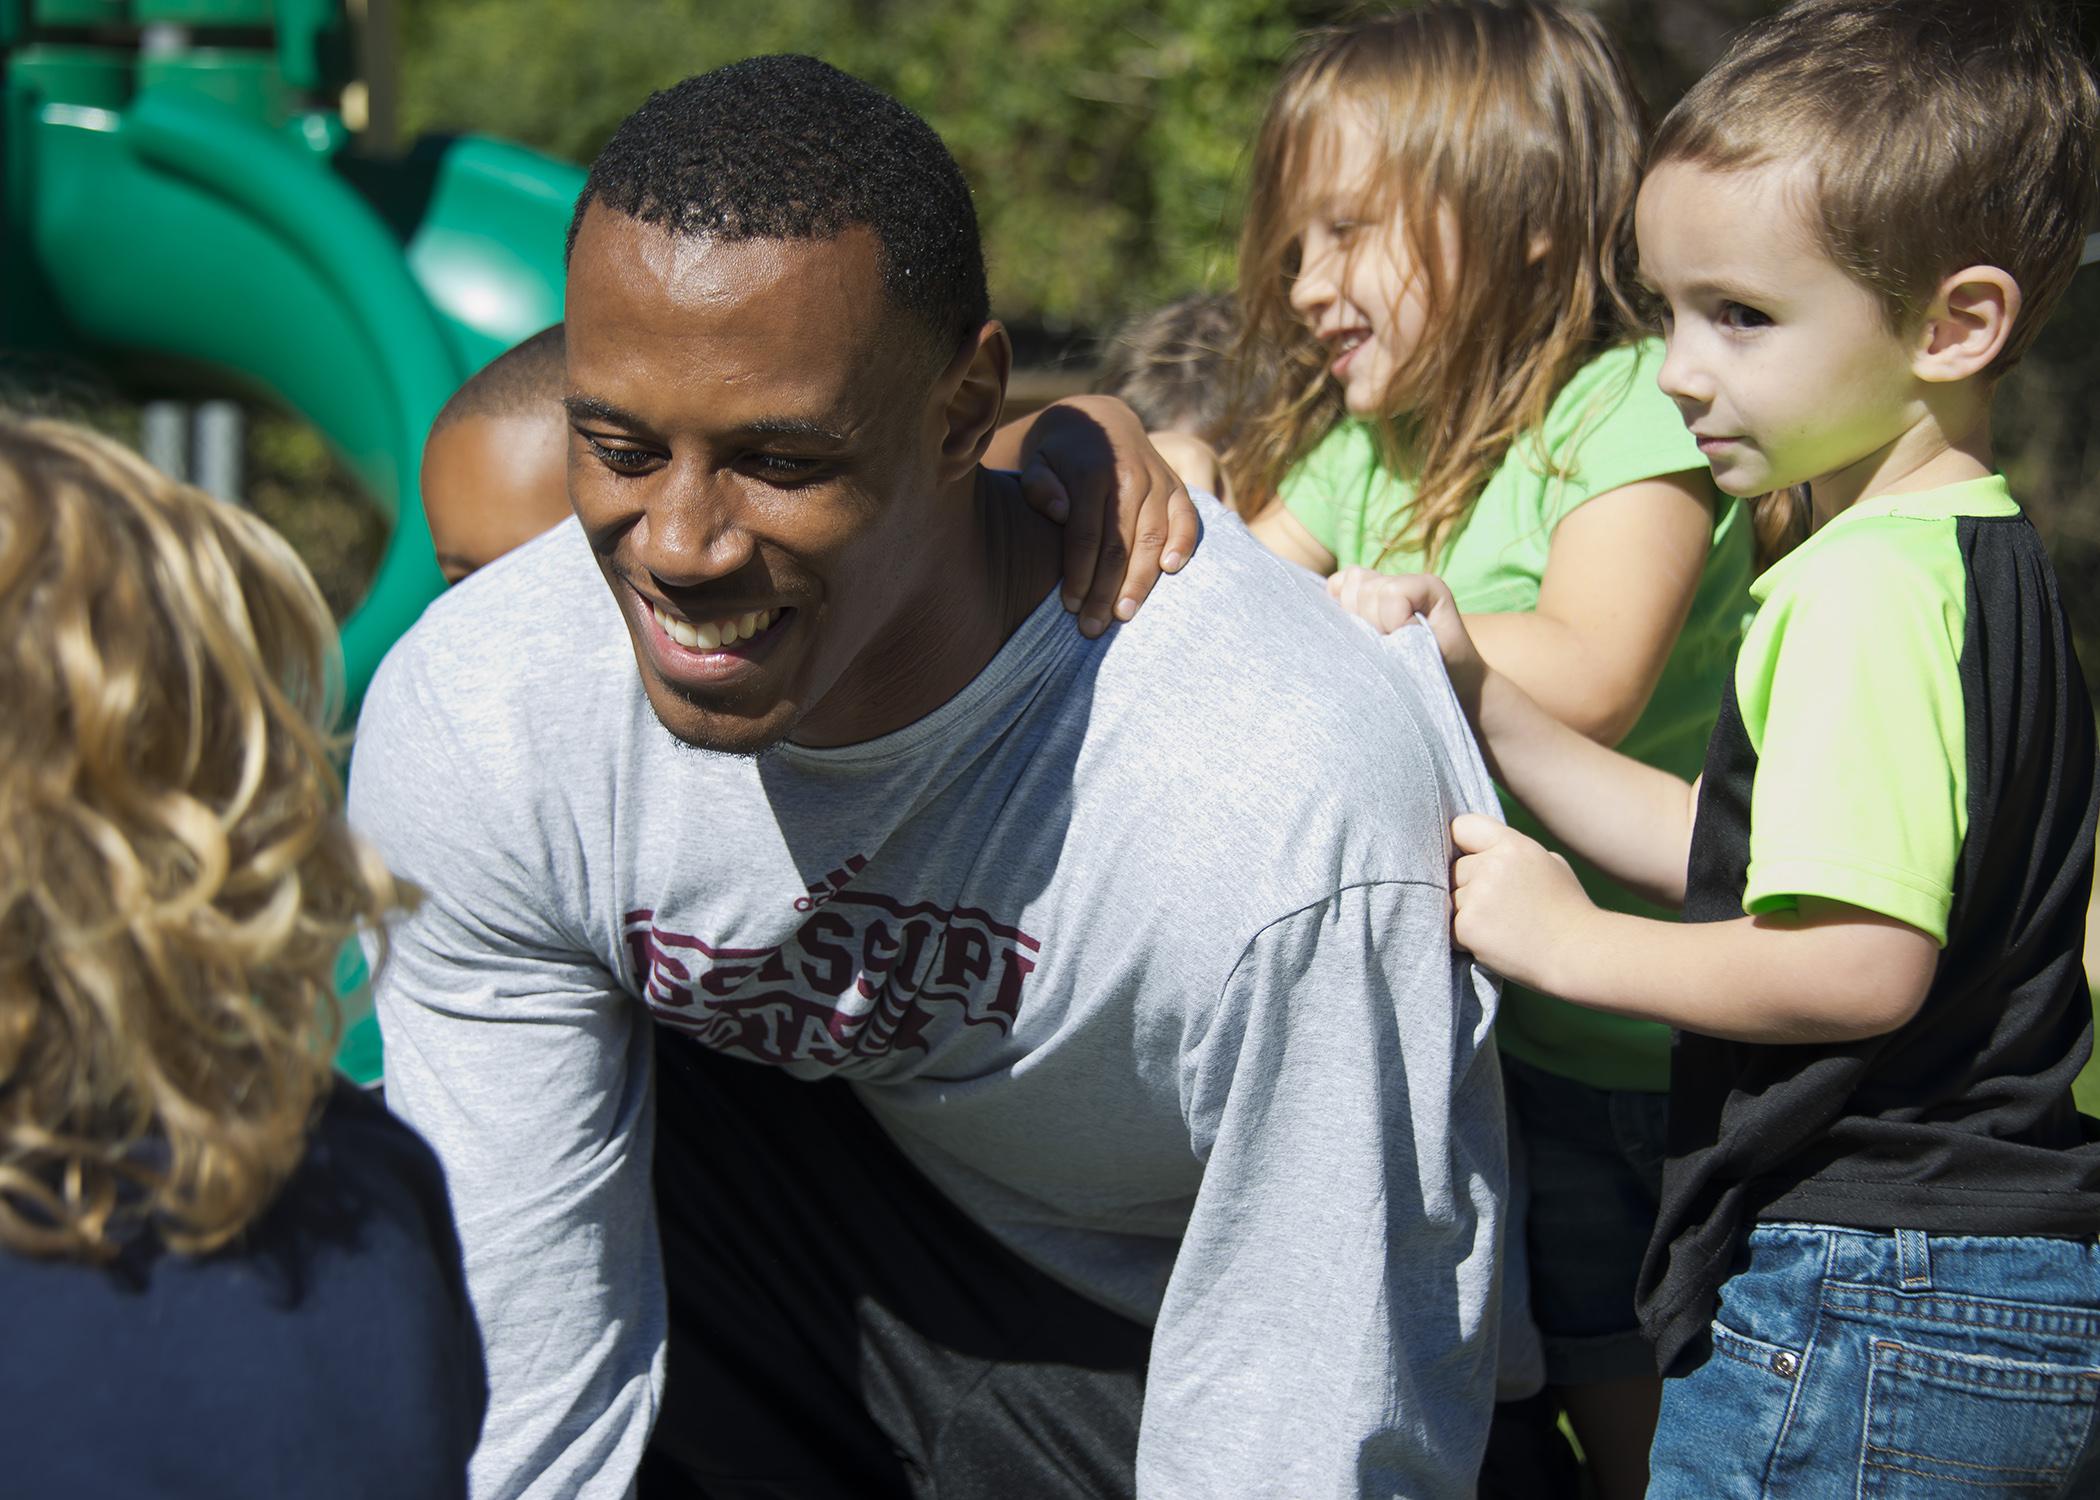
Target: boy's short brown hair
[[1941, 134]]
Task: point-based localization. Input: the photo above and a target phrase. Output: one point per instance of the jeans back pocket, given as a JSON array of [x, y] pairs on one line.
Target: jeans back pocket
[[1722, 1423], [1942, 1425]]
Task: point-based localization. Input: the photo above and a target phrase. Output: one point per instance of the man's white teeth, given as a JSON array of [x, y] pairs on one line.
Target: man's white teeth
[[715, 634]]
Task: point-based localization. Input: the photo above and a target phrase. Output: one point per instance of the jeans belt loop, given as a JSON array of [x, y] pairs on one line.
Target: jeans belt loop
[[1913, 1260]]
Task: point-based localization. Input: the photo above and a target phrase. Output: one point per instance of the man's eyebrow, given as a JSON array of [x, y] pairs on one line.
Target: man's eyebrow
[[793, 427], [590, 408]]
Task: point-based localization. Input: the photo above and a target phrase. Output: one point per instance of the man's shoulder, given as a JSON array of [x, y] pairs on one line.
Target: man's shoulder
[[1264, 641], [508, 685], [1243, 661], [536, 621]]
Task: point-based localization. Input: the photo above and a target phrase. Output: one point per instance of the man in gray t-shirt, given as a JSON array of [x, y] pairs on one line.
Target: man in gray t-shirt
[[1133, 952]]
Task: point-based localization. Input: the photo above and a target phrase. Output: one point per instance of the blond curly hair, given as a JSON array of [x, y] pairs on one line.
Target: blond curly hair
[[176, 878]]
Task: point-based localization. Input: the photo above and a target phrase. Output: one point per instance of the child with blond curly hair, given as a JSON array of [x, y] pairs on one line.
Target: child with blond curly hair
[[226, 1271]]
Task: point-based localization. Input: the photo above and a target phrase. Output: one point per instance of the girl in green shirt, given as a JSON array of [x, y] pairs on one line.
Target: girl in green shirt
[[1437, 256]]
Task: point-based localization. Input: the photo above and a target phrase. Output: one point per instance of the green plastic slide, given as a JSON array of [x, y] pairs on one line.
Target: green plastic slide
[[179, 216]]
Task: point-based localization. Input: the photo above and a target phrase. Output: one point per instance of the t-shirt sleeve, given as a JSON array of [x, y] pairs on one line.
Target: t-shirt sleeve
[[1861, 785], [1345, 1103], [1612, 426], [1325, 489], [527, 1068]]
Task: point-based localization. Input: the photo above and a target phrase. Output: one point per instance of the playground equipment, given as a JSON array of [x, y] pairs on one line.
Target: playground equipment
[[182, 204]]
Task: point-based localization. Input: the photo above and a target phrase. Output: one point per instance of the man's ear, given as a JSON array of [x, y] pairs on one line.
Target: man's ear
[[1967, 325], [973, 391]]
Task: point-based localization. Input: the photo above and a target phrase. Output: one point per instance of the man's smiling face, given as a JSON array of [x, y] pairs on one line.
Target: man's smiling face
[[756, 461]]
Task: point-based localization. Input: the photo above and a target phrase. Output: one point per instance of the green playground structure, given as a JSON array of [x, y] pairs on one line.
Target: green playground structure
[[183, 206]]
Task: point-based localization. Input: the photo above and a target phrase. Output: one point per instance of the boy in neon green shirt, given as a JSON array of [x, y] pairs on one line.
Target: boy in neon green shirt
[[1875, 1261]]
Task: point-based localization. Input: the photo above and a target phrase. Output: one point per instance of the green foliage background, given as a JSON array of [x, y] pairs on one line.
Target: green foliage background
[[1103, 137]]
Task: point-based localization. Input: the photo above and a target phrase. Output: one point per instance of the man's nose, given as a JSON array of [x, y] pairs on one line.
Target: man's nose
[[693, 531]]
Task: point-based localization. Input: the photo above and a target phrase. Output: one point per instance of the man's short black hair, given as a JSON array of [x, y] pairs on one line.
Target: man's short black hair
[[787, 147]]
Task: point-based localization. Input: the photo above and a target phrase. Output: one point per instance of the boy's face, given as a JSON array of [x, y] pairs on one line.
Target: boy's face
[[1784, 367], [494, 483]]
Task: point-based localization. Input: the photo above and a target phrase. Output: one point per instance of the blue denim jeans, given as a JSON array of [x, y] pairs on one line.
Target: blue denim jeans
[[1874, 1366]]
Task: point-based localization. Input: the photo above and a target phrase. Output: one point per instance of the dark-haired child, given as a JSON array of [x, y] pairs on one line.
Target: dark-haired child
[[1171, 367], [496, 464], [1875, 1269]]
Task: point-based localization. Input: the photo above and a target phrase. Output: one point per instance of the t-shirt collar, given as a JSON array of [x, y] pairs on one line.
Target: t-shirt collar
[[1047, 629], [1987, 496]]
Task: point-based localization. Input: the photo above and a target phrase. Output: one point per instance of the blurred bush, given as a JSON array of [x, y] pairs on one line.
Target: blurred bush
[[2047, 426], [298, 483], [1103, 137]]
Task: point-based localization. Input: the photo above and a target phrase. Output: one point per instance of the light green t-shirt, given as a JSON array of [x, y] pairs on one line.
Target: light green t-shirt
[[1850, 690], [1609, 427]]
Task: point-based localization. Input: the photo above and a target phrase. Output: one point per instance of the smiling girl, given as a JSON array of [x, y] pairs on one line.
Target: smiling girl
[[1438, 256]]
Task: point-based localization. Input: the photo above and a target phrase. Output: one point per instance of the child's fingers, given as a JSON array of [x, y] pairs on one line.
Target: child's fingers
[[1147, 545], [1044, 491], [1127, 516], [1352, 588], [1086, 527], [1409, 594], [1183, 529], [1466, 934], [1387, 602], [1474, 833], [1112, 557]]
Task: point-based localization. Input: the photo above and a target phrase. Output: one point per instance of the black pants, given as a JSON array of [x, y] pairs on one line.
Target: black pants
[[838, 1328]]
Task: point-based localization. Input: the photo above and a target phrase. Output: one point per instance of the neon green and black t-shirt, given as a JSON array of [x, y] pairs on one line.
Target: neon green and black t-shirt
[[1907, 731], [1609, 427]]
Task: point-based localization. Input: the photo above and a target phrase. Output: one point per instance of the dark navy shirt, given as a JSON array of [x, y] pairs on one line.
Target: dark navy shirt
[[331, 1351]]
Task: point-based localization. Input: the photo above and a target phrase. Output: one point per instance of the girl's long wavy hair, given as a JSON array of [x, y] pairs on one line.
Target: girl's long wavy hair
[[176, 877], [1518, 121]]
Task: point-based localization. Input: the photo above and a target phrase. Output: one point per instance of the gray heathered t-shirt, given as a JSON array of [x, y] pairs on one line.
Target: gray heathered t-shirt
[[1138, 947]]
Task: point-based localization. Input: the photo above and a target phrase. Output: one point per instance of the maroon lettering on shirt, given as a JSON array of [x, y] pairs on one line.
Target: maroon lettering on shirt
[[865, 975]]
